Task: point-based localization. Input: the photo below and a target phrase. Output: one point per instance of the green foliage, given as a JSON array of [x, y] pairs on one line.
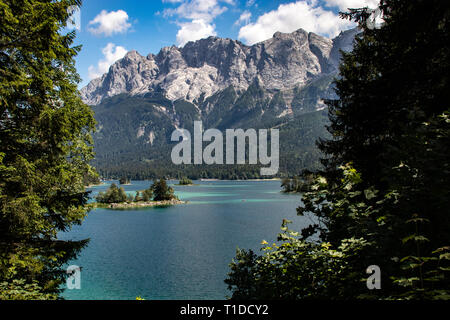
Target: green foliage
[[162, 191], [147, 194], [185, 181], [130, 198], [91, 178], [424, 275], [386, 175], [45, 146], [296, 269], [187, 109], [124, 180], [125, 157], [223, 102], [114, 194], [21, 290]]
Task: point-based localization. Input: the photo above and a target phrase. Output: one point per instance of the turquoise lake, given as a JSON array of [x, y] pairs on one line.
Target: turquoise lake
[[181, 251]]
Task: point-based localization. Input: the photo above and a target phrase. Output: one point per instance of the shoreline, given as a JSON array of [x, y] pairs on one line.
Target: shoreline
[[132, 205], [194, 184], [96, 185], [271, 179]]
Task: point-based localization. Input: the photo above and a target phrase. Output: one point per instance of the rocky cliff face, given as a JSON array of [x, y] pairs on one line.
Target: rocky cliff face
[[204, 67], [277, 83]]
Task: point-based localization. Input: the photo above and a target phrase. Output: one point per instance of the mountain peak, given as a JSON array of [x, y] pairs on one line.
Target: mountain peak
[[206, 66], [133, 55], [279, 35]]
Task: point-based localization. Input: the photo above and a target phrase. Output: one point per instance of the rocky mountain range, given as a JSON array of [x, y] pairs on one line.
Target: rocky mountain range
[[206, 66], [223, 82]]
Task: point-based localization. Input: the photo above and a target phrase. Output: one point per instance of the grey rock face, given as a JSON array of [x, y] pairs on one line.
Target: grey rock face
[[344, 41], [204, 67], [129, 74]]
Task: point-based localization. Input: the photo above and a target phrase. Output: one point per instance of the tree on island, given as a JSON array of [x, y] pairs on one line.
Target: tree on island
[[124, 180], [114, 194], [383, 196], [137, 197], [91, 178], [147, 194], [162, 191], [45, 147], [144, 195]]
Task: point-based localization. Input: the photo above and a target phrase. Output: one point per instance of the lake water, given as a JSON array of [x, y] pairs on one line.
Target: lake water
[[181, 251]]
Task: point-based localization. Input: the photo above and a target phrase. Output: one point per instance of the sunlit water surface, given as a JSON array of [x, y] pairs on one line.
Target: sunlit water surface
[[181, 251]]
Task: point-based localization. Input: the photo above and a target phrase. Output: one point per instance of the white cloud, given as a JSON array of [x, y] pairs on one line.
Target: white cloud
[[200, 13], [108, 23], [205, 10], [111, 53], [194, 30], [343, 5], [304, 14], [244, 18]]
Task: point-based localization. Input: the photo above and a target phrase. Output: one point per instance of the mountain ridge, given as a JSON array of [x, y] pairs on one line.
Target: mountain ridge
[[206, 66], [278, 83]]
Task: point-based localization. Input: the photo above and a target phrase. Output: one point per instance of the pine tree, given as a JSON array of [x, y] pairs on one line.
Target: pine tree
[[391, 123], [161, 191], [45, 145], [147, 194], [383, 197]]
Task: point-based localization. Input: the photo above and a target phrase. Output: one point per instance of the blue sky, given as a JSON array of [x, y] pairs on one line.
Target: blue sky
[[108, 29]]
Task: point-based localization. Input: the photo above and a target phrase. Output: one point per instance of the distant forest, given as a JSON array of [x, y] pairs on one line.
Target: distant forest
[[298, 152]]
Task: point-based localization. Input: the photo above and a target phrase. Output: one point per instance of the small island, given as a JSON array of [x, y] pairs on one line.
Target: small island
[[158, 194], [185, 182], [125, 180]]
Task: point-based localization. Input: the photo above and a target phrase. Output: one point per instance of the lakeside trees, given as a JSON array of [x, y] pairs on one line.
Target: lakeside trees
[[161, 191], [45, 147], [383, 197], [147, 195], [185, 181], [124, 180], [114, 194], [158, 191]]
